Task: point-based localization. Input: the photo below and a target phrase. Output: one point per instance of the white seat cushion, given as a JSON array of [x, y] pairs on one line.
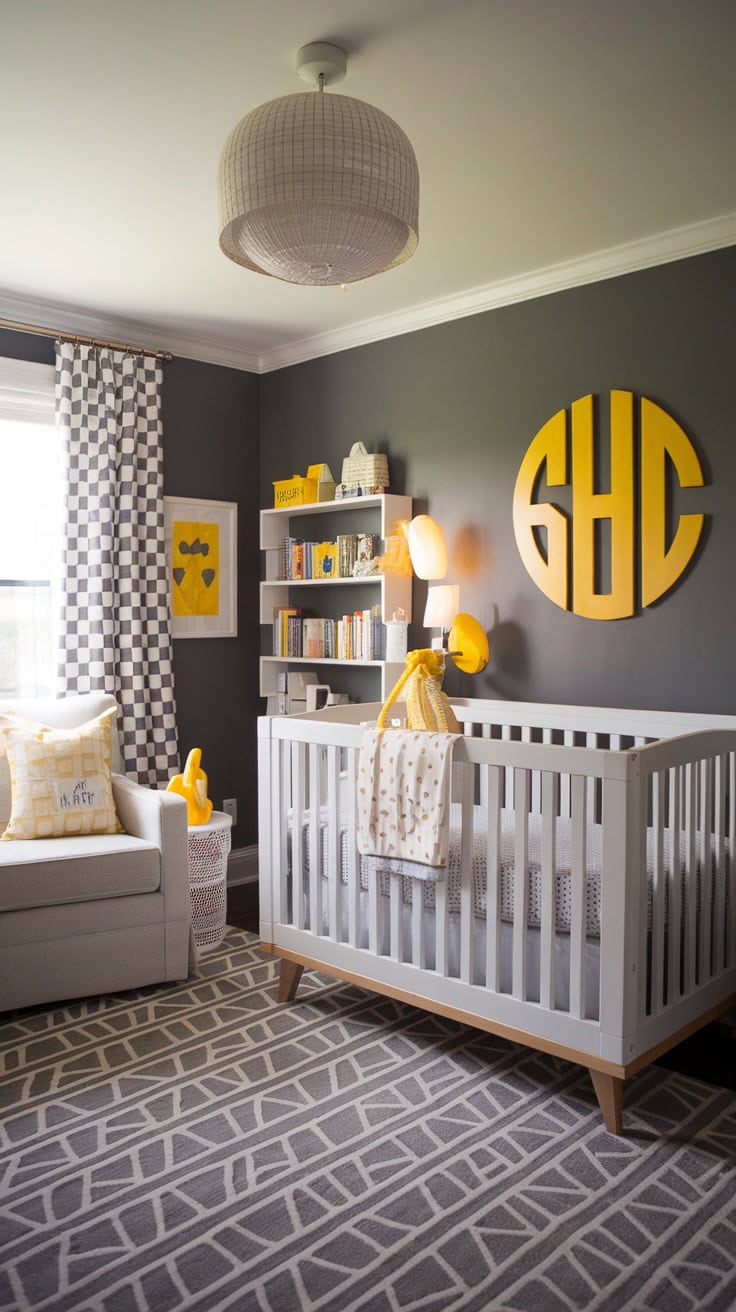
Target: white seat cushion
[[45, 872]]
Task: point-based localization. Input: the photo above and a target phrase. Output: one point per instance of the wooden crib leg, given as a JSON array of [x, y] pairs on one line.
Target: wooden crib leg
[[609, 1090], [289, 975]]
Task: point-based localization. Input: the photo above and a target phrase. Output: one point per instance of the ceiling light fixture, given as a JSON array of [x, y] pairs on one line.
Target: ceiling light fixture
[[318, 189]]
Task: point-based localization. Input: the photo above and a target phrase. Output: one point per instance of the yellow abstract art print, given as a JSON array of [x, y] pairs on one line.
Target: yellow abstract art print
[[195, 568], [201, 559]]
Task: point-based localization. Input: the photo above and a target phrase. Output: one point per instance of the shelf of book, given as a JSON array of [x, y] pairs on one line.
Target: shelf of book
[[270, 666], [380, 516]]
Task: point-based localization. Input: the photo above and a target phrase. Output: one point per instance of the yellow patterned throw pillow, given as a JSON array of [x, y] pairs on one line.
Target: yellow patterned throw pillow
[[61, 781]]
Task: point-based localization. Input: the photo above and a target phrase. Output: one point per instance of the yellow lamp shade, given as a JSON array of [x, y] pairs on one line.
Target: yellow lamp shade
[[468, 644], [427, 547]]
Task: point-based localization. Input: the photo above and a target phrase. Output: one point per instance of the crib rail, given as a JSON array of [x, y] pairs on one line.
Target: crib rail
[[657, 816]]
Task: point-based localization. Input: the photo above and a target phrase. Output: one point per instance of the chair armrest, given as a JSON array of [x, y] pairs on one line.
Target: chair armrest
[[159, 818]]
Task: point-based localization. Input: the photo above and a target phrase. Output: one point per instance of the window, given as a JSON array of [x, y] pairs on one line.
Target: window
[[31, 492]]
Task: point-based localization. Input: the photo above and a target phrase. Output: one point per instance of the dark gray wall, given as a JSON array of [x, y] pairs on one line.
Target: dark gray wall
[[457, 405], [210, 421]]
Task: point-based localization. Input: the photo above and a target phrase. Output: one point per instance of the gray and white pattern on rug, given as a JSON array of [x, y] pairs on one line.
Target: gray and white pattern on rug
[[202, 1147]]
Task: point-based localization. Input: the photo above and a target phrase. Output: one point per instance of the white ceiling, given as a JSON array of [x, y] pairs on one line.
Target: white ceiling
[[558, 141]]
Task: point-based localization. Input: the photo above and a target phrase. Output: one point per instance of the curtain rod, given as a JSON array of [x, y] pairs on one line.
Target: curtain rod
[[85, 341]]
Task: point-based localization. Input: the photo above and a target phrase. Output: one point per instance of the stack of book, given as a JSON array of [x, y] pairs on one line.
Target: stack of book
[[356, 637], [325, 560]]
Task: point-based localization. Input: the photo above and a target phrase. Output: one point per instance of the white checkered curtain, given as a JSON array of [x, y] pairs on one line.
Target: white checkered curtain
[[116, 627]]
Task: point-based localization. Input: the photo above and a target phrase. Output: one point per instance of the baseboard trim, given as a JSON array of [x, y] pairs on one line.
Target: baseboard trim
[[242, 865]]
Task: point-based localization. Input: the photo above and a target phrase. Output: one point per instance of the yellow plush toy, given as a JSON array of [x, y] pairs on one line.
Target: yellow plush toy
[[192, 786], [427, 706]]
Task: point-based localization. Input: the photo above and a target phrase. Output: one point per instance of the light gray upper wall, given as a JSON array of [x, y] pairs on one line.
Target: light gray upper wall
[[457, 405]]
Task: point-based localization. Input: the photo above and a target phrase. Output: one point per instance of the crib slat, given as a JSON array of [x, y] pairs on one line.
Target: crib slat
[[467, 936], [577, 910], [522, 793], [298, 793], [395, 896], [353, 857], [283, 778], [508, 800], [706, 868], [719, 856], [418, 929], [568, 739], [536, 794], [550, 788], [731, 944], [485, 732], [493, 829], [657, 959], [334, 881], [315, 841], [675, 887], [442, 946], [279, 817], [690, 906], [591, 784]]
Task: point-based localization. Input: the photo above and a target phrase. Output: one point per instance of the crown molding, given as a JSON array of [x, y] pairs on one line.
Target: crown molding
[[664, 247], [68, 320], [676, 244]]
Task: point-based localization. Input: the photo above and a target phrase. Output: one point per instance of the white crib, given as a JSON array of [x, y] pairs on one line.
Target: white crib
[[628, 818]]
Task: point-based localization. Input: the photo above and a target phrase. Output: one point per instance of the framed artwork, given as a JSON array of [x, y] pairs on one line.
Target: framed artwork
[[201, 558]]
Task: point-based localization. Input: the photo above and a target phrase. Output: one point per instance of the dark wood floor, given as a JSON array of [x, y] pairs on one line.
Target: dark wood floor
[[709, 1055]]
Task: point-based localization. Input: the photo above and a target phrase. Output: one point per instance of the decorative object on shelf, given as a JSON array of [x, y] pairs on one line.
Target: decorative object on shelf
[[299, 490], [427, 547], [322, 475], [365, 565], [364, 470], [304, 489], [397, 637], [191, 784], [201, 556], [318, 189]]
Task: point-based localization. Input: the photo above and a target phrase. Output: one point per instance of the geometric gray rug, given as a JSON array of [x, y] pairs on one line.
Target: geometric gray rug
[[202, 1147]]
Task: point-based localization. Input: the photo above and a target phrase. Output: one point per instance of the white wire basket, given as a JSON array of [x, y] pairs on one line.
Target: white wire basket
[[208, 851]]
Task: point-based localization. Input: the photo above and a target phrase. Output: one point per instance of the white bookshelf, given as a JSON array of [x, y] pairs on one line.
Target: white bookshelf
[[375, 514]]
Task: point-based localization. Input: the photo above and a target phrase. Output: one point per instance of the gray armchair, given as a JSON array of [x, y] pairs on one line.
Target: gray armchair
[[91, 915]]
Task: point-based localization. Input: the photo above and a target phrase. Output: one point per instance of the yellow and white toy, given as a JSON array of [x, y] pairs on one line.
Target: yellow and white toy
[[191, 784]]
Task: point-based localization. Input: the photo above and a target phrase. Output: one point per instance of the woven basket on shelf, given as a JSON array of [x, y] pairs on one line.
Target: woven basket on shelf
[[361, 469]]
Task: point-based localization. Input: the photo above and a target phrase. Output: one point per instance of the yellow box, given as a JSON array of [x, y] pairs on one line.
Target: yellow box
[[325, 482], [294, 491]]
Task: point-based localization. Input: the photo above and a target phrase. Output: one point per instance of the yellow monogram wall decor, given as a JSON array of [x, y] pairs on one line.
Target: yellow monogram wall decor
[[547, 536]]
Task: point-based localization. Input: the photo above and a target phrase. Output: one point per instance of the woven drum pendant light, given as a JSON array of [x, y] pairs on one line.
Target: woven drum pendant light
[[318, 189]]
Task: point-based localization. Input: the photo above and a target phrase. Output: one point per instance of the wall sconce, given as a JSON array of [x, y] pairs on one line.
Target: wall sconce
[[467, 644], [427, 547], [443, 603]]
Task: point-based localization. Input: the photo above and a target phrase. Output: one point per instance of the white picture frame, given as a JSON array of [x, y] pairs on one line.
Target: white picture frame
[[202, 566]]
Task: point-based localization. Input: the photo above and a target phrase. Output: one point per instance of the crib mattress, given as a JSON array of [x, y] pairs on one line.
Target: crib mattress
[[506, 864]]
